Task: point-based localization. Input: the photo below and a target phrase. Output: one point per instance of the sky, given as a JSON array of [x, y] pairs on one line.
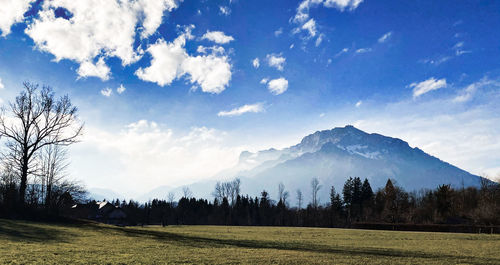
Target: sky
[[172, 91]]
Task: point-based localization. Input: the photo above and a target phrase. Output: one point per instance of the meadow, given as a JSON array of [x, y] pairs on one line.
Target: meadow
[[25, 242]]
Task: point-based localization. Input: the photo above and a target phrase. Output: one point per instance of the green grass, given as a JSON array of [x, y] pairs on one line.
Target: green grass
[[28, 242]]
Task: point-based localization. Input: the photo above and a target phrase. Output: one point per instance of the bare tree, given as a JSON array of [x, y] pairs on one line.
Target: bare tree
[[281, 190], [236, 187], [53, 168], [67, 192], [218, 192], [299, 199], [315, 188], [37, 120], [187, 192], [234, 190], [282, 193], [229, 190], [171, 198]]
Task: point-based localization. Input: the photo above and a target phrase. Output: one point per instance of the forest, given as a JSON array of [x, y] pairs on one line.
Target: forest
[[356, 203]]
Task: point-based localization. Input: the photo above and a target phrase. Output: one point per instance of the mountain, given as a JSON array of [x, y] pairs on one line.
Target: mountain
[[334, 155], [99, 194]]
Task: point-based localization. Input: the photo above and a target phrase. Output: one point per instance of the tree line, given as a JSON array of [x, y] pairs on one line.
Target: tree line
[[355, 203]]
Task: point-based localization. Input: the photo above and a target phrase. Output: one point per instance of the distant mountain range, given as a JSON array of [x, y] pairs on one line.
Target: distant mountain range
[[332, 156]]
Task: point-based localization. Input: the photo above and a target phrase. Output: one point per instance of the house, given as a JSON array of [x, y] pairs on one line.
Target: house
[[103, 212]]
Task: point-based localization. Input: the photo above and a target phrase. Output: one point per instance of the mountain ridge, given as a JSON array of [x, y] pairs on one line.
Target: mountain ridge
[[332, 156], [336, 154]]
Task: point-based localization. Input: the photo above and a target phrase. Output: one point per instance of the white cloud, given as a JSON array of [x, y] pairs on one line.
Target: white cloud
[[100, 69], [255, 108], [213, 49], [170, 61], [385, 37], [217, 37], [341, 5], [12, 13], [460, 52], [153, 14], [468, 92], [458, 45], [211, 73], [458, 48], [278, 86], [256, 63], [319, 39], [427, 86], [358, 104], [156, 153], [96, 30], [310, 27], [120, 89], [264, 80], [278, 32], [224, 10], [166, 63], [276, 60], [465, 135], [363, 50], [308, 24], [1, 84], [106, 92], [345, 50], [441, 59]]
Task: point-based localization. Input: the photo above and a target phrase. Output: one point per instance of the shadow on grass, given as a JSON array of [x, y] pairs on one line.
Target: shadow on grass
[[207, 242], [31, 232]]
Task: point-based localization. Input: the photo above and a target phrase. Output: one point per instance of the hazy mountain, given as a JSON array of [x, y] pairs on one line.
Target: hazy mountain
[[334, 155], [99, 194]]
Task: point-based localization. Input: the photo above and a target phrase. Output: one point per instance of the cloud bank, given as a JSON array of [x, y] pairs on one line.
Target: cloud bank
[[144, 155]]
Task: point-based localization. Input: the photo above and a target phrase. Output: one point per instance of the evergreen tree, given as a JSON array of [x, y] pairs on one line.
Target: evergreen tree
[[366, 192], [390, 207], [348, 197], [366, 199], [335, 207]]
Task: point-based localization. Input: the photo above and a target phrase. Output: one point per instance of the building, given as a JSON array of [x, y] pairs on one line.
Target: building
[[103, 212]]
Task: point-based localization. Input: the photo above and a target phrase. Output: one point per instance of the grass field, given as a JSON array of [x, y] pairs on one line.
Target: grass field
[[28, 242]]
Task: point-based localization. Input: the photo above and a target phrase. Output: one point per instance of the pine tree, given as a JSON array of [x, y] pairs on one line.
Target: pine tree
[[366, 199], [348, 197]]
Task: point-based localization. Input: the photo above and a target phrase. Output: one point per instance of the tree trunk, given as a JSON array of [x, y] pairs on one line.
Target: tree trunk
[[24, 180], [48, 197]]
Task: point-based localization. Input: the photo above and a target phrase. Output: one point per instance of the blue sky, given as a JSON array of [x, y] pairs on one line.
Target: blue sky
[[194, 97]]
